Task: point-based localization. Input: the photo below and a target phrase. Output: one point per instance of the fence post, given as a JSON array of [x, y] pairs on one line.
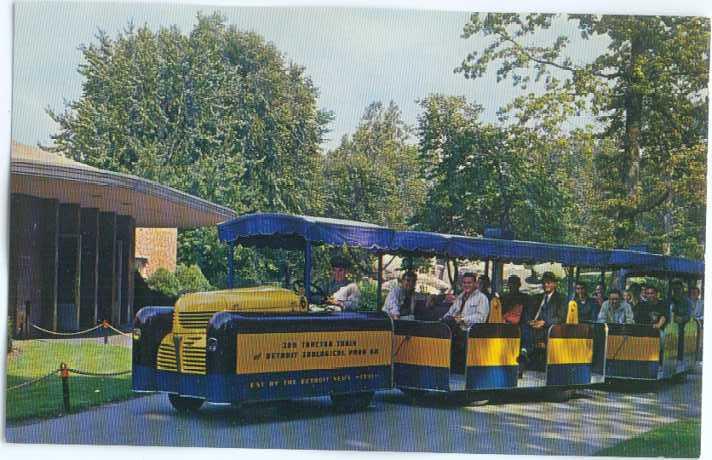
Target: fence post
[[64, 374], [105, 327]]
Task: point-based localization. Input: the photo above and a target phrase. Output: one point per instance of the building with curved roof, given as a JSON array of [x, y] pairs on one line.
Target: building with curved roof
[[72, 238]]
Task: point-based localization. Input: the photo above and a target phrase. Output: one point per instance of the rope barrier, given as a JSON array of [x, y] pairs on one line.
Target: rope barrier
[[31, 382], [120, 332], [66, 333], [98, 374], [71, 370]]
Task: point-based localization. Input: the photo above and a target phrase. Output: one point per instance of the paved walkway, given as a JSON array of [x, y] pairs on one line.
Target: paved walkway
[[580, 427]]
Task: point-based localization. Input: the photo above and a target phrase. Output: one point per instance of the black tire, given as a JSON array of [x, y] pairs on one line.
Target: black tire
[[352, 401], [414, 395], [468, 399], [560, 395], [679, 378], [185, 404]]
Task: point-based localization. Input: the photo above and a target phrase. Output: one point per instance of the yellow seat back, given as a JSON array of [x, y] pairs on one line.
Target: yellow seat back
[[495, 314], [572, 315]]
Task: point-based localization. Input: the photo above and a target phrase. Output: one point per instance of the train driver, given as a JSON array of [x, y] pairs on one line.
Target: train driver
[[343, 293]]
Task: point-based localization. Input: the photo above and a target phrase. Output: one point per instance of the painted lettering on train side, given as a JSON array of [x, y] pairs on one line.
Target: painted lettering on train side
[[302, 351]]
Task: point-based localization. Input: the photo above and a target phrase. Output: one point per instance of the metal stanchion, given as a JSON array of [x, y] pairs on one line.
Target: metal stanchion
[[64, 374], [105, 327]]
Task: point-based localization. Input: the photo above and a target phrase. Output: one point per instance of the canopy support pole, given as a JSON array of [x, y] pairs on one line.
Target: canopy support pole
[[379, 282], [570, 281], [603, 281], [578, 273], [230, 265], [307, 270]]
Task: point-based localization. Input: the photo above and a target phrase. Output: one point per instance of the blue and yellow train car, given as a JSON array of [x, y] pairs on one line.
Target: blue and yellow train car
[[268, 343]]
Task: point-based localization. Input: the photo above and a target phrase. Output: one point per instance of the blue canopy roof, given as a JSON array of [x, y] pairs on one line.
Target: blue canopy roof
[[427, 243], [291, 231]]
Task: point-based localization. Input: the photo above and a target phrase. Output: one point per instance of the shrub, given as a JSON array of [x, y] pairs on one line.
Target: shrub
[[191, 279], [165, 282]]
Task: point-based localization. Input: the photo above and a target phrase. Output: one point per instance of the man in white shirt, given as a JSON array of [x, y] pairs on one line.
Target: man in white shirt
[[468, 308], [343, 293], [698, 307], [400, 302], [615, 311]]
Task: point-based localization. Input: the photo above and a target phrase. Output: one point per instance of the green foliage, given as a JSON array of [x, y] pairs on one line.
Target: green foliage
[[218, 113], [482, 175], [369, 293], [648, 93], [164, 282], [187, 278], [191, 279], [373, 175]]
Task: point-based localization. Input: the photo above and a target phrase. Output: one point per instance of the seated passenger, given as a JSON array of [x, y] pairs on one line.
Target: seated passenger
[[587, 308], [651, 310], [615, 311], [470, 307], [635, 295], [698, 306], [679, 304], [545, 310], [483, 285], [514, 301], [400, 302], [549, 307], [343, 293], [598, 296]]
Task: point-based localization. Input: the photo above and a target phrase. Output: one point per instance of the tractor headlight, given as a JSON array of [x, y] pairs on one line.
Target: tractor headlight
[[212, 344], [136, 334]]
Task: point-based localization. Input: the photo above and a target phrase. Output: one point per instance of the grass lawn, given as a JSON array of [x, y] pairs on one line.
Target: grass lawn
[[34, 358], [679, 439]]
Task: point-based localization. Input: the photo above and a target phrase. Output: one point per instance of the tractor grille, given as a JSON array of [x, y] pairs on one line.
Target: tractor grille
[[166, 360], [192, 354], [194, 320]]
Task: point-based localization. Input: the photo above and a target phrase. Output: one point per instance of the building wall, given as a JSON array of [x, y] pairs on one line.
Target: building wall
[[159, 247], [31, 285], [66, 270]]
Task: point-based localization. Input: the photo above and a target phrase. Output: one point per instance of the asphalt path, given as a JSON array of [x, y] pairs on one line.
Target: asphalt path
[[581, 426]]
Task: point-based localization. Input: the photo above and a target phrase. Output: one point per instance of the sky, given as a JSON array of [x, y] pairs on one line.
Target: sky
[[354, 56]]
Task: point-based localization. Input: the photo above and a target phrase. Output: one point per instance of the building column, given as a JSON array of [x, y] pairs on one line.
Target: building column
[[89, 306], [107, 258], [125, 229], [50, 240], [69, 267]]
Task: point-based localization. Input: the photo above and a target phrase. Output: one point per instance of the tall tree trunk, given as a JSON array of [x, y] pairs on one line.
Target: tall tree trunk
[[630, 162]]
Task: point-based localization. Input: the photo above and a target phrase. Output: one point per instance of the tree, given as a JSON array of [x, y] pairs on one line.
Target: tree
[[481, 175], [373, 175], [218, 113], [647, 91]]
